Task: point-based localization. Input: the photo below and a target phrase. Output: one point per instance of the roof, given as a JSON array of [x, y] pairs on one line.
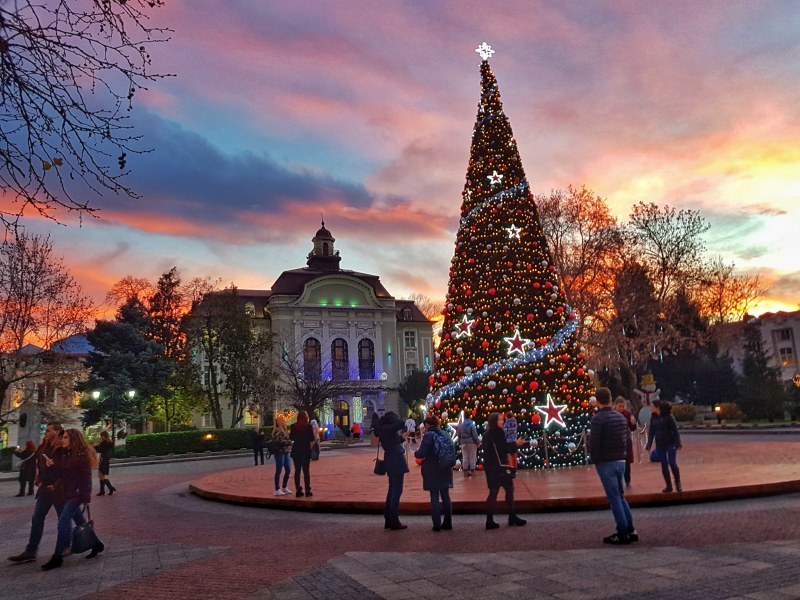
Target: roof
[[415, 315], [292, 283], [322, 232], [74, 344]]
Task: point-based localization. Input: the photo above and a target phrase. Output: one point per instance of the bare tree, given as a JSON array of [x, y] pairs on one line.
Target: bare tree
[[586, 245], [69, 71], [138, 288], [726, 296], [428, 307], [669, 243], [40, 304]]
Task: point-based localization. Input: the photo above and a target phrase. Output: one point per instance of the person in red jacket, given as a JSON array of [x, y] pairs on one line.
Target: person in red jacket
[[74, 471], [355, 430]]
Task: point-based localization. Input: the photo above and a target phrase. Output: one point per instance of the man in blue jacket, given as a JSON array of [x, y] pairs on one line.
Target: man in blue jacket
[[608, 447]]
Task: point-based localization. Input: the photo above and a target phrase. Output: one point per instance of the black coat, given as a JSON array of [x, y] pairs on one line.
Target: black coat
[[495, 453], [302, 434], [27, 471], [74, 472], [394, 455], [664, 430], [258, 439], [433, 476]]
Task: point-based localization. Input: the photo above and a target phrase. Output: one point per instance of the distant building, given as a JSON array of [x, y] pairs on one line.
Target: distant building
[[780, 333], [47, 392], [347, 326]]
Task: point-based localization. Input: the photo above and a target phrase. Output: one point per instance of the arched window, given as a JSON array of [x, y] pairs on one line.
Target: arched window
[[366, 359], [312, 358], [325, 249], [340, 361]]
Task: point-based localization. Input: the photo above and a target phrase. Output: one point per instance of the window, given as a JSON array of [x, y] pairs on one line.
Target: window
[[205, 420], [325, 251], [784, 335], [410, 339], [366, 359], [340, 361], [250, 418], [406, 314], [787, 357], [410, 368], [312, 358]]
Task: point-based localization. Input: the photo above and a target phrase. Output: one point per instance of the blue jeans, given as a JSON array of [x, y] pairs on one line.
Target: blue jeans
[[669, 460], [282, 463], [44, 502], [70, 512], [447, 505], [611, 475], [392, 508]]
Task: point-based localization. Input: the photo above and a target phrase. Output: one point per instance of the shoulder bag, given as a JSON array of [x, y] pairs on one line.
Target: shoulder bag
[[508, 471], [83, 536], [380, 465]]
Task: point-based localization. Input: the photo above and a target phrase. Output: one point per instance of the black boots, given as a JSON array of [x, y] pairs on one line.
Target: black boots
[[54, 562], [102, 491], [490, 523], [514, 520], [111, 488], [105, 483], [97, 549]]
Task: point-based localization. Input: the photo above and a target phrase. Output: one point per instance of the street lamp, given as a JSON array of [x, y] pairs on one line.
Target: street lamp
[[114, 407]]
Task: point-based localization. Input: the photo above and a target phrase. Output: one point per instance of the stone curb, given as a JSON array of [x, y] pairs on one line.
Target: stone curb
[[523, 505]]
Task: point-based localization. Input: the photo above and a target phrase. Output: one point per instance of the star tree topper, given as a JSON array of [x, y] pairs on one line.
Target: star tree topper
[[485, 50], [552, 413], [464, 327]]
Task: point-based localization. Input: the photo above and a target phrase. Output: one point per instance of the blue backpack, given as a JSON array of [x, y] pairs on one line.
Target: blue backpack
[[445, 450]]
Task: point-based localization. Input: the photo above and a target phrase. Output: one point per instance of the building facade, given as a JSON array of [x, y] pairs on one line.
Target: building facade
[[347, 327]]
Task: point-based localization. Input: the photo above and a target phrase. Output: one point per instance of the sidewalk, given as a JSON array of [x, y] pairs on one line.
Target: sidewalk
[[712, 469]]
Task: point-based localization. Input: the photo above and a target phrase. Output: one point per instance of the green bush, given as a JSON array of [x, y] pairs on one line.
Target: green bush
[[181, 442], [684, 412], [5, 458]]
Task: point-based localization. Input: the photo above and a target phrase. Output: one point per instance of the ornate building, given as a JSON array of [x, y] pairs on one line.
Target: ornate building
[[347, 327]]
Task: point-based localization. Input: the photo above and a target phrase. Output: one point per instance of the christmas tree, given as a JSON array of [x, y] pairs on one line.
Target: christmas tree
[[509, 337]]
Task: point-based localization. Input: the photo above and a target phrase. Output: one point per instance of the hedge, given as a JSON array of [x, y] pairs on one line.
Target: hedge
[[684, 412], [182, 442], [5, 458]]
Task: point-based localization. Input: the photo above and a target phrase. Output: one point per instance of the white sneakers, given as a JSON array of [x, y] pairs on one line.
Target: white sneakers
[[280, 492]]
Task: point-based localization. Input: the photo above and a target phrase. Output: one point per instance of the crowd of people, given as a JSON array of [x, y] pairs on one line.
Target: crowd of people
[[60, 468]]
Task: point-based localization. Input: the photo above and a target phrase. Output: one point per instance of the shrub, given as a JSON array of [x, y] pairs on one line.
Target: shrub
[[5, 458], [730, 412], [684, 412], [181, 442]]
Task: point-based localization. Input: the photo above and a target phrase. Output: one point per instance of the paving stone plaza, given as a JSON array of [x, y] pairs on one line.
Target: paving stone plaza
[[162, 541]]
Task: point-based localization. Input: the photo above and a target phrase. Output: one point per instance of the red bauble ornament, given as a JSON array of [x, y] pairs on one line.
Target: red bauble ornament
[[536, 285], [534, 385], [444, 380], [529, 317], [520, 388], [492, 291], [479, 362], [485, 344], [536, 419]]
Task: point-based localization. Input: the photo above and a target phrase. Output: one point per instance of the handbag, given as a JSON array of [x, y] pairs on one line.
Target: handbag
[[380, 465], [315, 451], [83, 536], [507, 471], [656, 455]]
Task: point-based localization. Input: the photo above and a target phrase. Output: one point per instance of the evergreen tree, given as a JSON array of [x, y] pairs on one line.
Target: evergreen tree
[[762, 395], [509, 337]]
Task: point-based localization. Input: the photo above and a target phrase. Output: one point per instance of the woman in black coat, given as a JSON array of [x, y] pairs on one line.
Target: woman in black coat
[[105, 450], [27, 470], [495, 454], [389, 427], [664, 431], [435, 479], [302, 434]]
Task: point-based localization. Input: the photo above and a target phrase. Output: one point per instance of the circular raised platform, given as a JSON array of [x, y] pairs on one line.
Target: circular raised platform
[[712, 467]]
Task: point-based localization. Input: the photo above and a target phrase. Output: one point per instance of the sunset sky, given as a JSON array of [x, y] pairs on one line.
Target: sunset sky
[[364, 110]]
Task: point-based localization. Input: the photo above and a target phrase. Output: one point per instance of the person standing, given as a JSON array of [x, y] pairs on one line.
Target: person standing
[[510, 429], [27, 468], [73, 469], [283, 445], [48, 495], [391, 439], [105, 450], [258, 445], [664, 431], [436, 479], [621, 406], [302, 436], [495, 455], [315, 447], [468, 439], [608, 447]]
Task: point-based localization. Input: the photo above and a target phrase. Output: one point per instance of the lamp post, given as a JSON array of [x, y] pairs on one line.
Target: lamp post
[[114, 407]]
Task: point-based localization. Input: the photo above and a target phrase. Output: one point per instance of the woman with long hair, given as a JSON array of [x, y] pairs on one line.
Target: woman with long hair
[[283, 445], [302, 436], [27, 470], [74, 471], [621, 406], [495, 455], [389, 427], [105, 450], [664, 431]]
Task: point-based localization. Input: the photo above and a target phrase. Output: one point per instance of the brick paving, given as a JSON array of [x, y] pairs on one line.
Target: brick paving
[[163, 542]]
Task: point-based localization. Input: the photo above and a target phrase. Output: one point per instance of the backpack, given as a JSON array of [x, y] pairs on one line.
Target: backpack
[[445, 450]]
